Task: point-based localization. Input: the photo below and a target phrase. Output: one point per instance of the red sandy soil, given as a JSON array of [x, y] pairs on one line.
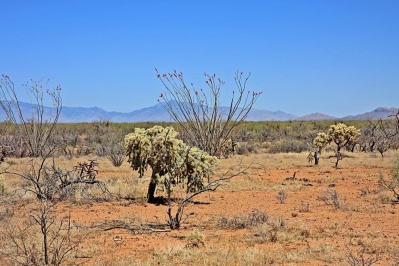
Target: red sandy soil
[[356, 220], [367, 217]]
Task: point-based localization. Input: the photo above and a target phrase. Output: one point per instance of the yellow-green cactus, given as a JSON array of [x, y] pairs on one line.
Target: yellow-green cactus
[[171, 160], [341, 134], [321, 140]]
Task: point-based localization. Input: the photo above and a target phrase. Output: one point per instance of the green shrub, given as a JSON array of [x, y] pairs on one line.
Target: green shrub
[[287, 145]]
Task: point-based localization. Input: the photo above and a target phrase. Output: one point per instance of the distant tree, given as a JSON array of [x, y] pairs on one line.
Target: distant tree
[[396, 117], [203, 122], [379, 135], [391, 183]]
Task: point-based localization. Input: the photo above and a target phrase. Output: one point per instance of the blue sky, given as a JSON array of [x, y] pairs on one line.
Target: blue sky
[[333, 57]]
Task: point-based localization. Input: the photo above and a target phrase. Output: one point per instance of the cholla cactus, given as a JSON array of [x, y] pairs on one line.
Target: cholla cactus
[[198, 166], [341, 134], [228, 147], [321, 140], [138, 147], [171, 160]]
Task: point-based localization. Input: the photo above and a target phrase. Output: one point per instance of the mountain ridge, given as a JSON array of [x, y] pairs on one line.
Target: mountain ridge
[[157, 113], [316, 116]]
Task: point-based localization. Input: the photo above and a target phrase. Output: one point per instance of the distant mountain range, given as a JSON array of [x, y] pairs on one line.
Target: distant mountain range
[[157, 113], [379, 113]]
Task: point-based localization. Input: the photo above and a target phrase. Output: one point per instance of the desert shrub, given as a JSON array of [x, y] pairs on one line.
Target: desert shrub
[[360, 257], [265, 145], [391, 183], [331, 198], [79, 180], [48, 182], [288, 145], [13, 145], [112, 147], [37, 129], [116, 154], [253, 219], [270, 231], [41, 239], [244, 135], [305, 207], [395, 144], [68, 137], [242, 150], [229, 147], [195, 239], [2, 186], [379, 135], [247, 148], [281, 196]]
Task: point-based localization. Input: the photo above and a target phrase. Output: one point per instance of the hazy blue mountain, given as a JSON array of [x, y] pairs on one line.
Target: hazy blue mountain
[[154, 113], [316, 116], [265, 115], [157, 113], [379, 113], [79, 114]]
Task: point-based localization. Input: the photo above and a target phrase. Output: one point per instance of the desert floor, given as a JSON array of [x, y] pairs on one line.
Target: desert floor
[[281, 210]]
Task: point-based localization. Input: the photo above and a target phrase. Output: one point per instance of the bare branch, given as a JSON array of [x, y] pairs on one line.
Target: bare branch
[[203, 122], [39, 126]]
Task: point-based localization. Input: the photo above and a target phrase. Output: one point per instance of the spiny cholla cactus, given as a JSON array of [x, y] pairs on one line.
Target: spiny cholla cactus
[[228, 147], [340, 133], [343, 135], [198, 165], [171, 160], [321, 140]]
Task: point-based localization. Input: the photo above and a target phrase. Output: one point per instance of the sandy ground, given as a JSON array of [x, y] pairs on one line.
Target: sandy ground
[[327, 216]]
